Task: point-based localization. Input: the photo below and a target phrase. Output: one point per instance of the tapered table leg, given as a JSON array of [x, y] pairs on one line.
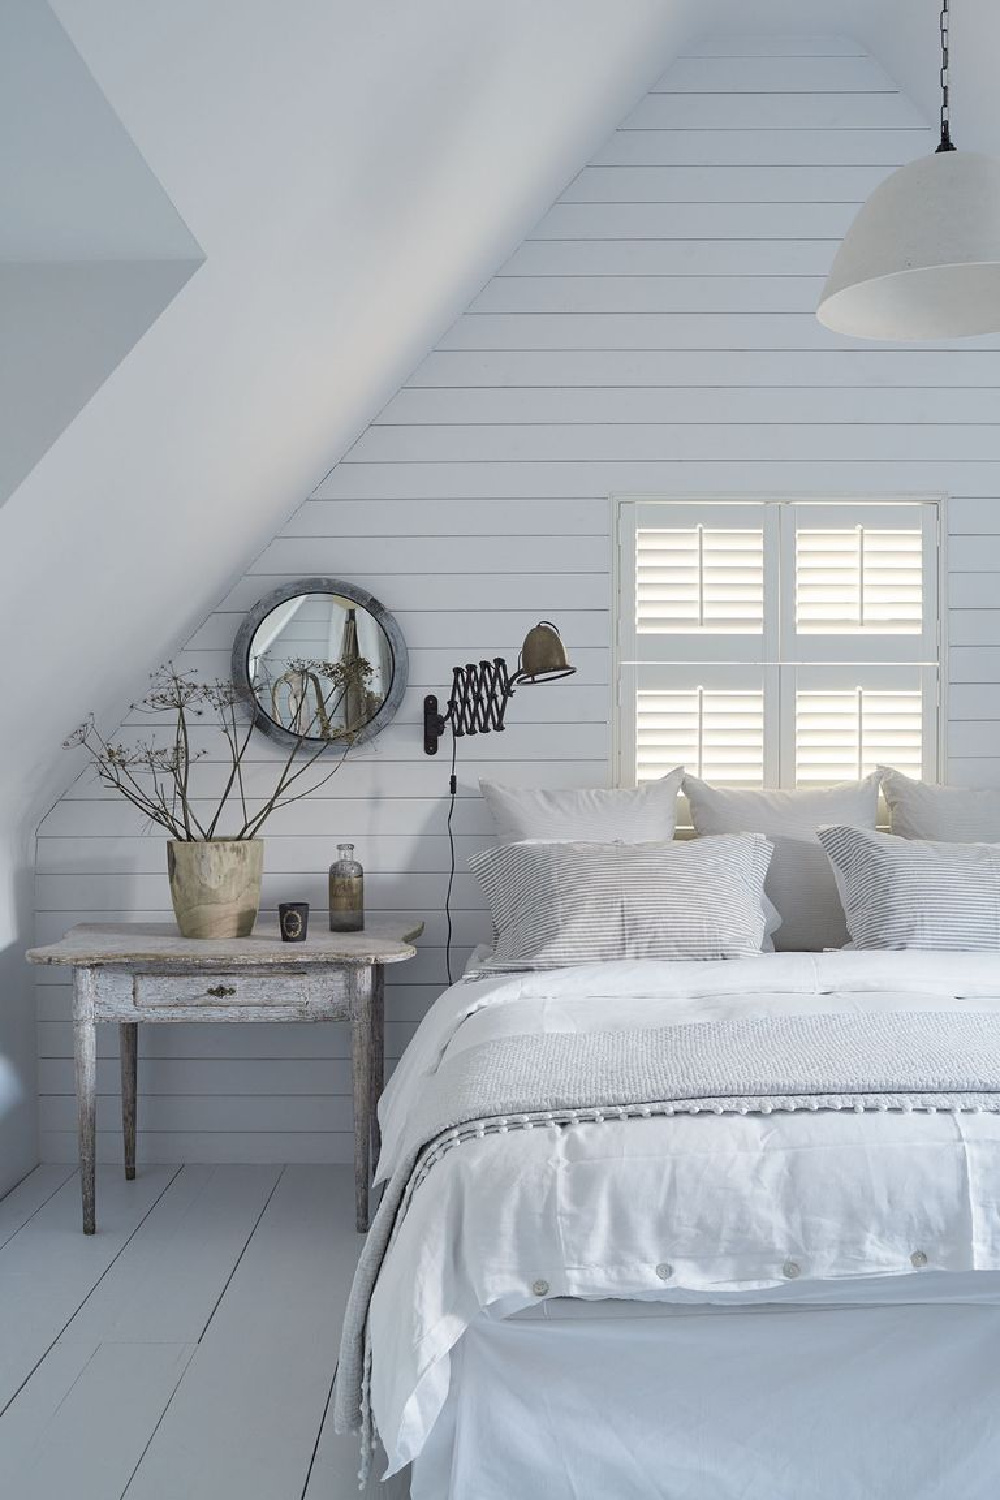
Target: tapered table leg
[[360, 978], [85, 1055], [378, 1053], [128, 1045]]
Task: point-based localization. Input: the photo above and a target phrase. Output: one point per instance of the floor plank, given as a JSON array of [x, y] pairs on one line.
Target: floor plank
[[245, 1418], [30, 1194], [49, 1268], [165, 1285], [97, 1433]]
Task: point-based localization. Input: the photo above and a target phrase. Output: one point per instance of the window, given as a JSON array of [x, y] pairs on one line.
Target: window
[[779, 642]]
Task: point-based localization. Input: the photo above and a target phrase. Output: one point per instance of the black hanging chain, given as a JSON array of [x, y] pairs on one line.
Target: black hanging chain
[[946, 141]]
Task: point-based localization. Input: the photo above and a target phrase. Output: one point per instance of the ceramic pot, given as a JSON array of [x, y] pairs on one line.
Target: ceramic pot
[[215, 886]]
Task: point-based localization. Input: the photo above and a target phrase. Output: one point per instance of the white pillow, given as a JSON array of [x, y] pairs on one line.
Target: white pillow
[[587, 815], [954, 814], [799, 881]]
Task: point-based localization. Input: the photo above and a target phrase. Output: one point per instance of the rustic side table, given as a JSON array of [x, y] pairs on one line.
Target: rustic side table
[[145, 972]]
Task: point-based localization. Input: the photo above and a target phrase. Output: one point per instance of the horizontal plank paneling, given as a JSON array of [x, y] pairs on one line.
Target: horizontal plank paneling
[[638, 442], [979, 663], [303, 1051], [792, 331], [971, 590], [661, 257], [974, 771], [415, 556], [430, 406], [725, 184], [653, 335], [777, 111], [976, 517], [157, 1147], [425, 848], [764, 74], [443, 518], [856, 366], [403, 890], [974, 627], [974, 554], [776, 148], [649, 294], [491, 478], [696, 221], [801, 110]]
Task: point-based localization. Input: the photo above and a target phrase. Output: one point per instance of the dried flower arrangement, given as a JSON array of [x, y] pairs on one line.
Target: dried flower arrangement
[[156, 777]]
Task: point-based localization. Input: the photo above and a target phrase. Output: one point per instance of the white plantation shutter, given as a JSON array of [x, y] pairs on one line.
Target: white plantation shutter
[[701, 578], [716, 734], [859, 578], [845, 734], [782, 642]]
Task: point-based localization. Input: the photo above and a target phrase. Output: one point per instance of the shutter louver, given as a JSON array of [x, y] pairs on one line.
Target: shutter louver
[[699, 579], [712, 733], [843, 735], [858, 580]]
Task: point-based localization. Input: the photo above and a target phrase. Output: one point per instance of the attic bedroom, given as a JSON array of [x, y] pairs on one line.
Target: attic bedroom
[[500, 798]]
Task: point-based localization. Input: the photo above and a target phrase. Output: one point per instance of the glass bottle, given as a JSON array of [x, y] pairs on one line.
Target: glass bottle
[[347, 892]]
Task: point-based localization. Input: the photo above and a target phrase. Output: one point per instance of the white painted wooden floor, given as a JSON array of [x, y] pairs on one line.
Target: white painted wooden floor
[[186, 1351]]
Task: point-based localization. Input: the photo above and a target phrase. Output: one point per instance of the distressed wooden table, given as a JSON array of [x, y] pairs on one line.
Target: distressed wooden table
[[145, 972]]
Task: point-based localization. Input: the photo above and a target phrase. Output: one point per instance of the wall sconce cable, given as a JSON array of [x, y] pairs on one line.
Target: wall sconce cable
[[480, 692]]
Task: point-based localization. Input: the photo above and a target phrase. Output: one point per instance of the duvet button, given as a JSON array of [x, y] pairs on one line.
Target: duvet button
[[540, 1288], [791, 1269], [664, 1270], [918, 1259]]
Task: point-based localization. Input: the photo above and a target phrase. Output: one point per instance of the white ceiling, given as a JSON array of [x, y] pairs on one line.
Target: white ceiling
[[353, 171]]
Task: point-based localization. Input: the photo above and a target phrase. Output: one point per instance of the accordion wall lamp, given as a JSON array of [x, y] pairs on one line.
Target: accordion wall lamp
[[481, 691]]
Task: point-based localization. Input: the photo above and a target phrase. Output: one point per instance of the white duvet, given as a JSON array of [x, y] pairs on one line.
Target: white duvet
[[706, 1208]]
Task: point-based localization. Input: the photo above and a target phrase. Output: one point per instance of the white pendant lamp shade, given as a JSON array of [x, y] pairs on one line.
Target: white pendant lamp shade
[[922, 258]]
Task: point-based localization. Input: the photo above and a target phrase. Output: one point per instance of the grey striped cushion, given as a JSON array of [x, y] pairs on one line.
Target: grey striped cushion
[[911, 893], [555, 904]]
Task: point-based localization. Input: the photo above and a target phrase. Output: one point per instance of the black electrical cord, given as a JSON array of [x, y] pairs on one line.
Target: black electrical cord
[[451, 845]]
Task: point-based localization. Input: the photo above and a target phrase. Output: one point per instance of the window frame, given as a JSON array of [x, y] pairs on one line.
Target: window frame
[[762, 659]]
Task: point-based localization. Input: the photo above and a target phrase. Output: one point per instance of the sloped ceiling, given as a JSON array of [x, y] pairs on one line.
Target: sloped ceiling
[[353, 171], [91, 248]]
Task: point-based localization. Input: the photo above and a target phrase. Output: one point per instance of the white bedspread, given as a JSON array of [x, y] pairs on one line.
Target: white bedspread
[[709, 1209]]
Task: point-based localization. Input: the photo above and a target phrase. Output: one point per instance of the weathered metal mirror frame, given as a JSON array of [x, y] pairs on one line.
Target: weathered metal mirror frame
[[365, 601]]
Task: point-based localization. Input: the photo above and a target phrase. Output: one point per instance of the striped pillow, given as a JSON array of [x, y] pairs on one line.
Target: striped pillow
[[555, 904], [912, 893]]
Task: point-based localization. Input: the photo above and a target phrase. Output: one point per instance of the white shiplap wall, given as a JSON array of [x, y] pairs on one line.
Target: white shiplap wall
[[653, 335]]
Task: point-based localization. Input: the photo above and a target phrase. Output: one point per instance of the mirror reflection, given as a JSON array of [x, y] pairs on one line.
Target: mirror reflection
[[320, 666]]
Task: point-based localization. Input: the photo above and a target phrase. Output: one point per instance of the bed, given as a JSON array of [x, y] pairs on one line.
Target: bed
[[716, 1282]]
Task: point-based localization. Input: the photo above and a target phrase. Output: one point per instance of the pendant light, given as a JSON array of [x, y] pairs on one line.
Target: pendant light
[[922, 258]]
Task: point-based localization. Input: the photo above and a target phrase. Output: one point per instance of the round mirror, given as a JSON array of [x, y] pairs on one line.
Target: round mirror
[[320, 661]]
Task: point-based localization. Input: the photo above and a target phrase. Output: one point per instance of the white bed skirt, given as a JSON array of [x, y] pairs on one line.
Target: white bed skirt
[[633, 1401]]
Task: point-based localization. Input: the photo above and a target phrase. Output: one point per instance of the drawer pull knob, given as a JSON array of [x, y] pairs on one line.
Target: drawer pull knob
[[221, 991]]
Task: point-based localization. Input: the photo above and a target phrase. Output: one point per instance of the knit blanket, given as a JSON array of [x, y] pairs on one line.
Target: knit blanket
[[896, 1060]]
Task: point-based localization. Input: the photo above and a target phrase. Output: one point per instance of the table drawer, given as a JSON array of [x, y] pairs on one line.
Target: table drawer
[[235, 991]]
